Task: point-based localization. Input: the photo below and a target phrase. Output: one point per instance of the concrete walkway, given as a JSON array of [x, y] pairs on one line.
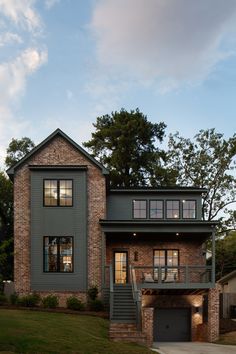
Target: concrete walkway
[[193, 348]]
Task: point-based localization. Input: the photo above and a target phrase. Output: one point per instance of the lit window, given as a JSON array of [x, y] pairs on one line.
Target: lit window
[[156, 209], [166, 260], [58, 192], [189, 209], [58, 254], [139, 209], [172, 209]]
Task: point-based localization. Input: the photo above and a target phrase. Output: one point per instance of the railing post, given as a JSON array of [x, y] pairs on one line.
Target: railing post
[[111, 292], [213, 256], [186, 274], [159, 274]]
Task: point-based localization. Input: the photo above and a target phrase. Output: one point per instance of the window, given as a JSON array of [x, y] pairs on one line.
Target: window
[[139, 209], [166, 260], [156, 209], [58, 192], [189, 209], [58, 254], [172, 209]]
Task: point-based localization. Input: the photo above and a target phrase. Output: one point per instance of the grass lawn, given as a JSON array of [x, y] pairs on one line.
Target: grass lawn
[[227, 338], [23, 331]]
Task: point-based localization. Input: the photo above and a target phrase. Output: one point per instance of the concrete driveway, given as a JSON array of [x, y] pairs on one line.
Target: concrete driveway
[[193, 348]]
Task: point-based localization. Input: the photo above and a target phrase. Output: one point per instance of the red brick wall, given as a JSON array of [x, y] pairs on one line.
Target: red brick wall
[[57, 152]]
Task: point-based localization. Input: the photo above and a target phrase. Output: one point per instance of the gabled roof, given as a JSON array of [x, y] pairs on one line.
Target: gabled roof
[[57, 132], [227, 277]]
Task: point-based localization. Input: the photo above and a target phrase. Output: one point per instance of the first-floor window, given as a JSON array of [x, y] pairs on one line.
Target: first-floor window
[[166, 261], [58, 254]]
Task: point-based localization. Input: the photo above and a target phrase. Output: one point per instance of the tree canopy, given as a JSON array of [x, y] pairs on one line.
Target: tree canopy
[[207, 161], [17, 149], [225, 254], [126, 143]]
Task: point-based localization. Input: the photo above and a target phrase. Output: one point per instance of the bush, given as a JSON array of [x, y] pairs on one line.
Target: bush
[[14, 298], [3, 299], [74, 304], [96, 305], [30, 300], [50, 301], [93, 293]]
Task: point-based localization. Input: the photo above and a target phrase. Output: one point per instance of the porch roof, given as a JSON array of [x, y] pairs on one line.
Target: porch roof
[[156, 226]]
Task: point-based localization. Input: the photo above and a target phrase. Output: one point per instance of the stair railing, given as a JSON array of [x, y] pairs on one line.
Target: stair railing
[[136, 297], [111, 292]]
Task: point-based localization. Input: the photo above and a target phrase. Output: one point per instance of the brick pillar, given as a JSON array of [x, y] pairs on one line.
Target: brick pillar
[[213, 314], [147, 324]]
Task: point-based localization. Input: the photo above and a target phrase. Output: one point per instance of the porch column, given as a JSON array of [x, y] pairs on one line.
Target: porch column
[[213, 256], [147, 324], [103, 259], [213, 313]]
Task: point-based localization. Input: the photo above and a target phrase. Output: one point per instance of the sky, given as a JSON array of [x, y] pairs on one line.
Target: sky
[[63, 63]]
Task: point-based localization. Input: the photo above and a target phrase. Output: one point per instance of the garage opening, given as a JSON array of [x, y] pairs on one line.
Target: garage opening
[[172, 325]]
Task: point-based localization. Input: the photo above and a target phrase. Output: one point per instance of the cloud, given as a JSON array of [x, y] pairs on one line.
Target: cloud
[[50, 3], [21, 13], [169, 42], [9, 38]]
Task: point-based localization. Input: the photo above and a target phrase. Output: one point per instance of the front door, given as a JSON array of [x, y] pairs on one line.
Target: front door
[[120, 267]]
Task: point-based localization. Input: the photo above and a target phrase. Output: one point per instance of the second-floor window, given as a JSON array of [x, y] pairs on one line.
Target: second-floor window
[[139, 209], [172, 209], [58, 192], [189, 209], [156, 209]]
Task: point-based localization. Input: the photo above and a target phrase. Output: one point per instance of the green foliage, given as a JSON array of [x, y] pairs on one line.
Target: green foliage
[[225, 254], [30, 300], [96, 305], [14, 299], [92, 292], [74, 304], [3, 299], [207, 161], [126, 143], [17, 149], [50, 301]]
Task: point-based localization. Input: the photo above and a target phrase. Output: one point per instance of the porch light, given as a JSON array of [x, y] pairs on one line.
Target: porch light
[[177, 234], [134, 234], [183, 201]]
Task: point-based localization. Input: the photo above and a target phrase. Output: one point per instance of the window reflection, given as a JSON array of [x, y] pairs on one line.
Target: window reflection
[[58, 254]]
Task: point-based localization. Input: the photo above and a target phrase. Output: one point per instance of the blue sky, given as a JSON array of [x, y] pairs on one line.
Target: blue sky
[[65, 62]]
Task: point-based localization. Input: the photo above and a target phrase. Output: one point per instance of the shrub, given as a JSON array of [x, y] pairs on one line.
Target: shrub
[[30, 300], [93, 293], [74, 304], [3, 299], [50, 301], [96, 305], [14, 298]]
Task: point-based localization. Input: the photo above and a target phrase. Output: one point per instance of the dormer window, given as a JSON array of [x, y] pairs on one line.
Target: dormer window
[[172, 209], [58, 192], [139, 209]]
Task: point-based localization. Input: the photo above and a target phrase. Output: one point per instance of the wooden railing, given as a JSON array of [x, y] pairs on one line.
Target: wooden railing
[[136, 297]]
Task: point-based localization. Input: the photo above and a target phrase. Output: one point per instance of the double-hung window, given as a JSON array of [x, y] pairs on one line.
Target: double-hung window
[[58, 192], [156, 209], [172, 209], [189, 209], [58, 254], [139, 209]]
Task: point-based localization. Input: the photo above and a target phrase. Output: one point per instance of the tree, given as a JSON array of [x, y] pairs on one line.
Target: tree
[[126, 143], [208, 162], [225, 254], [17, 149]]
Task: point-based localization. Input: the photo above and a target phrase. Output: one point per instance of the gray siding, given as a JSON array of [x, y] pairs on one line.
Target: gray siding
[[59, 221], [119, 205]]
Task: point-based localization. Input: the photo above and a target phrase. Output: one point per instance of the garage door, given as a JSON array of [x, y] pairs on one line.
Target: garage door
[[172, 325]]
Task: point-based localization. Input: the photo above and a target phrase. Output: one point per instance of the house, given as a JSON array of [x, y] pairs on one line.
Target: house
[[228, 295], [143, 247]]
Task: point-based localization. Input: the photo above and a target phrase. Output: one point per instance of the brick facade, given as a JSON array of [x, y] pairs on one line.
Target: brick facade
[[213, 314], [57, 152]]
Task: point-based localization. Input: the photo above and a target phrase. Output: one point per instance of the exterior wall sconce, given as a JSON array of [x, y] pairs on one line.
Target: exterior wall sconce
[[136, 256], [197, 309]]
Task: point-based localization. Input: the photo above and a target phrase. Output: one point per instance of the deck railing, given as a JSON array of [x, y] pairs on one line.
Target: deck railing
[[136, 297]]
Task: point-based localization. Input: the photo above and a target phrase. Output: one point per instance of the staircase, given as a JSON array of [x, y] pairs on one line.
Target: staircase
[[123, 316], [124, 309]]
